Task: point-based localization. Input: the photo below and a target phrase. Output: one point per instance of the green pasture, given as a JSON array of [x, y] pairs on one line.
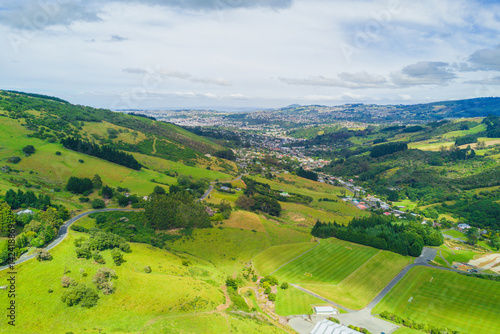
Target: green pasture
[[171, 289]]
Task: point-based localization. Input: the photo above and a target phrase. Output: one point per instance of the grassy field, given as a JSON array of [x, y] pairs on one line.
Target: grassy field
[[230, 248], [331, 262], [440, 298], [407, 204], [457, 255], [171, 288], [210, 323], [456, 234], [245, 220], [293, 301], [276, 256], [54, 170], [357, 290]]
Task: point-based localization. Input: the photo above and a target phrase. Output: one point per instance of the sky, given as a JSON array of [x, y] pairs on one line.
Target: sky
[[232, 54]]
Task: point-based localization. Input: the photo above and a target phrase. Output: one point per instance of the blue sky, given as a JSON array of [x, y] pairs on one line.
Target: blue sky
[[250, 53]]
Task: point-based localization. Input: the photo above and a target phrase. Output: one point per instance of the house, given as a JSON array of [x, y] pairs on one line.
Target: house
[[25, 212], [329, 327], [325, 310], [463, 226]]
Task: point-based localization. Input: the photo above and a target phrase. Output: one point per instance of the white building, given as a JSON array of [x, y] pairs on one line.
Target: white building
[[329, 327]]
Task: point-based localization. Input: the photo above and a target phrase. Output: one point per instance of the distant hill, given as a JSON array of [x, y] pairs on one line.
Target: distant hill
[[358, 112]]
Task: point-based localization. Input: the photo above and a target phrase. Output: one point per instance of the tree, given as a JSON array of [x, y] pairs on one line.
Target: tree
[[43, 255], [117, 256], [97, 182], [245, 202], [98, 204], [80, 294], [472, 236], [284, 285], [107, 192], [79, 186], [495, 242], [28, 150], [159, 190], [7, 218]]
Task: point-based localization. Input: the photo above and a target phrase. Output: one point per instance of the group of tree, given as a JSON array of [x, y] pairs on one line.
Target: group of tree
[[226, 154], [175, 210], [40, 230], [307, 174], [87, 248], [27, 199], [389, 148], [381, 232], [104, 152]]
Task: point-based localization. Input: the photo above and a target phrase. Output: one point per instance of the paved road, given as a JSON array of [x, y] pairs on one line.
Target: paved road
[[63, 232]]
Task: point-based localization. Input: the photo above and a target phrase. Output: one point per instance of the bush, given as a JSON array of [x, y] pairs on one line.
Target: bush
[[81, 161], [43, 255], [284, 285], [14, 160], [272, 297], [125, 247], [98, 204], [117, 256], [58, 153], [84, 199], [335, 320], [66, 281], [80, 294], [147, 269], [231, 283], [28, 150], [98, 258]]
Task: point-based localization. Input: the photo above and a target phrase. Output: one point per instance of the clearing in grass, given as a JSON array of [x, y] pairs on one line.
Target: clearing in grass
[[293, 301]]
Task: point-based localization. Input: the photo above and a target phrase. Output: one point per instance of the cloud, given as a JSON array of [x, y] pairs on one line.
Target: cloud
[[486, 59], [116, 38], [344, 80], [488, 81], [40, 14], [423, 73], [159, 75]]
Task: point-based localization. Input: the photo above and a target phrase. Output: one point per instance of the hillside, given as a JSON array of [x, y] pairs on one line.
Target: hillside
[[52, 119]]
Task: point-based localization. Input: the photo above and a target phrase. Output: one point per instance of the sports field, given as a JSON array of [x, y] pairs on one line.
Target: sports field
[[331, 262], [274, 257], [440, 298], [359, 289], [294, 301]]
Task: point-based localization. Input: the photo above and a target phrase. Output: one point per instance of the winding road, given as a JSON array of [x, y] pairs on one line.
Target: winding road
[[63, 232]]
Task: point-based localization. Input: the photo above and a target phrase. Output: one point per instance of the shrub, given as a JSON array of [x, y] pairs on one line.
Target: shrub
[[98, 204], [80, 294], [66, 281], [284, 285], [231, 283], [147, 269], [102, 280], [58, 153], [81, 161], [335, 320], [272, 297], [98, 257], [84, 199], [125, 247], [28, 150], [117, 256], [43, 255], [14, 160]]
